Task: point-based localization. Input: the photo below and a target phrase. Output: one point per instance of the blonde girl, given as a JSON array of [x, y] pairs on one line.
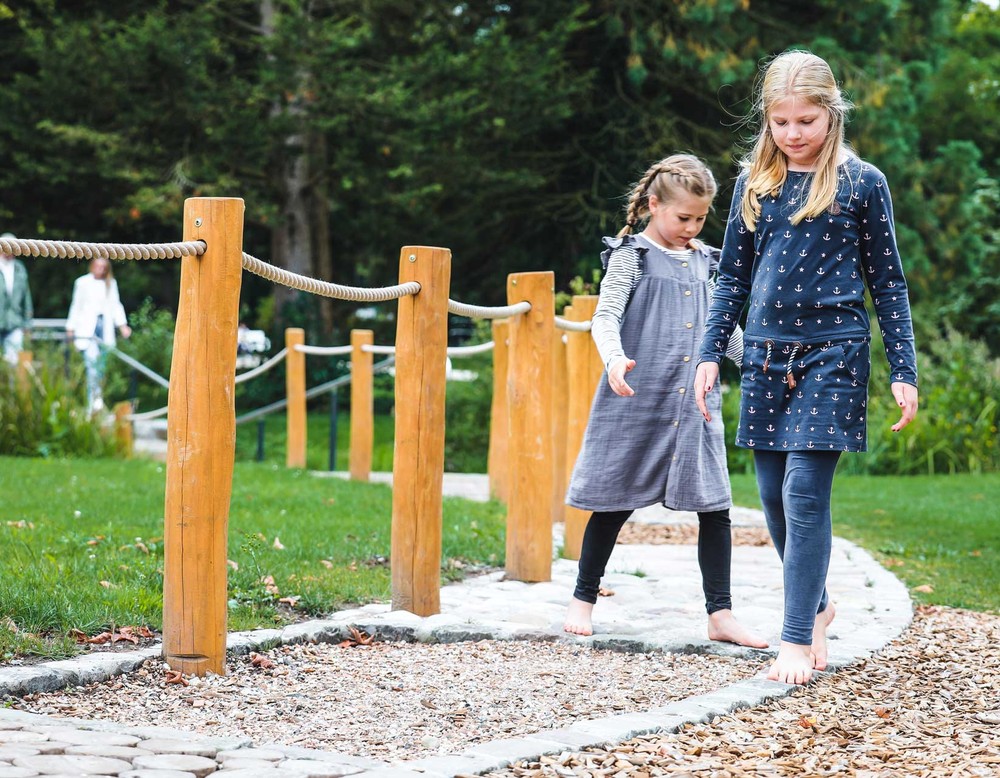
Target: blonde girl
[[810, 226]]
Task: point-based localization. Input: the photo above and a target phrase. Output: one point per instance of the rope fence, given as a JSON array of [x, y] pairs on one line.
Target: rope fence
[[572, 326], [65, 249], [378, 349], [200, 439], [467, 351], [325, 288], [487, 312], [324, 351], [262, 368]]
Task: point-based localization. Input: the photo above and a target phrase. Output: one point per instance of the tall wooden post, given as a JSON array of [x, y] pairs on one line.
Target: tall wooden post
[[529, 395], [362, 405], [584, 368], [497, 464], [201, 439], [560, 416], [24, 359], [418, 458], [123, 427], [295, 391]]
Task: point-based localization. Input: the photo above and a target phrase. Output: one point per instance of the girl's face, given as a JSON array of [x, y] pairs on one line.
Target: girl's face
[[799, 129], [99, 267], [673, 224]]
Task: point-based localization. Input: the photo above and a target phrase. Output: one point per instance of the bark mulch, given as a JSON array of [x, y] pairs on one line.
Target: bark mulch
[[928, 704]]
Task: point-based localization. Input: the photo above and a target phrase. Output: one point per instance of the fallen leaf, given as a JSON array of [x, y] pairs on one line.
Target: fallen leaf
[[326, 563], [807, 722], [125, 633], [261, 661], [882, 712], [360, 637], [175, 676], [605, 592], [924, 589], [277, 544], [293, 601], [142, 547], [232, 564], [107, 584]]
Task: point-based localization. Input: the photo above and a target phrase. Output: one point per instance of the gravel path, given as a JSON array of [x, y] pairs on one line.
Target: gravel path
[[926, 705], [398, 700]]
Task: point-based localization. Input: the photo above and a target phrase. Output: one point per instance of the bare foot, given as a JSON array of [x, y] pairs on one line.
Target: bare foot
[[823, 620], [794, 664], [578, 618], [723, 626]]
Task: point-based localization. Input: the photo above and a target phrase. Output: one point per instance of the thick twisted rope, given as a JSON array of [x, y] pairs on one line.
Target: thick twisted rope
[[485, 312], [66, 249], [325, 288], [465, 351], [324, 351], [378, 349], [148, 414], [572, 326], [263, 368]]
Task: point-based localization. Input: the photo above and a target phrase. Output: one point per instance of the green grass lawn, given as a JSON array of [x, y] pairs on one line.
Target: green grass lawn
[[937, 531], [83, 546]]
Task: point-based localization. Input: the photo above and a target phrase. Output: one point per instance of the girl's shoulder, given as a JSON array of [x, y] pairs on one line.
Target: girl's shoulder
[[863, 174], [625, 244]]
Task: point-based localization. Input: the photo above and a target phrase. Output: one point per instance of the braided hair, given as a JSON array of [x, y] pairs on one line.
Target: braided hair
[[666, 179]]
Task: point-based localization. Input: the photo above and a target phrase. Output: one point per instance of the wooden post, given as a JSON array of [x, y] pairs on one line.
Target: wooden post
[[24, 359], [201, 439], [362, 405], [497, 463], [295, 391], [529, 395], [418, 458], [560, 416], [123, 427], [584, 369]]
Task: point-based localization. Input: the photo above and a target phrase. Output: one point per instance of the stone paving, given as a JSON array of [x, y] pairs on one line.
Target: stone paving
[[657, 606]]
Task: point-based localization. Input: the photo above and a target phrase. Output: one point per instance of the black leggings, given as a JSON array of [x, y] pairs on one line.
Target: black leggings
[[715, 546]]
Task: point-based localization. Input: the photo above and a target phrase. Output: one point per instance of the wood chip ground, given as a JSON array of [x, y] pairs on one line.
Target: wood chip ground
[[926, 705]]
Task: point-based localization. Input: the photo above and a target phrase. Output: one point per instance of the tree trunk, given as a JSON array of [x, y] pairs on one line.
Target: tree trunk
[[300, 241]]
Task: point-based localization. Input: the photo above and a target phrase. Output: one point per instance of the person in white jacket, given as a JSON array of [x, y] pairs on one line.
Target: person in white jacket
[[95, 313]]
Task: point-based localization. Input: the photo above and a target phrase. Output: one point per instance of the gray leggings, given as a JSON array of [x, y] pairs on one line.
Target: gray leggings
[[795, 490]]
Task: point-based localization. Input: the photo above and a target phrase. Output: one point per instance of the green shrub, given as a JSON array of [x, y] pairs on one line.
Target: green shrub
[[46, 415]]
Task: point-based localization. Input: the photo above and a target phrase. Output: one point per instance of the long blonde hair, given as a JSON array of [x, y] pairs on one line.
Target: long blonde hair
[[673, 174], [808, 77]]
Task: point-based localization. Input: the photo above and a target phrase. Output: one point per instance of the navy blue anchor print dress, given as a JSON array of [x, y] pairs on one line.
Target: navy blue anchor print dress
[[806, 359]]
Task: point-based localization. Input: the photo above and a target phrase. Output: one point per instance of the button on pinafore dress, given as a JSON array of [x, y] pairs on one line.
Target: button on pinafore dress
[[655, 446]]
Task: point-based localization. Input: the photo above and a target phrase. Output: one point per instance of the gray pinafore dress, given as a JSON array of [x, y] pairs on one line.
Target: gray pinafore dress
[[655, 446]]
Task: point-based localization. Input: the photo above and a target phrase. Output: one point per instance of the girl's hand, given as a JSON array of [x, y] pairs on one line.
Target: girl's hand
[[704, 379], [907, 400], [126, 331], [616, 377]]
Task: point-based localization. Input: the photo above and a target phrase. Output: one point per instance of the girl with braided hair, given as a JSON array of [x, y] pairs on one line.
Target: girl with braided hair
[[645, 441], [809, 229]]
